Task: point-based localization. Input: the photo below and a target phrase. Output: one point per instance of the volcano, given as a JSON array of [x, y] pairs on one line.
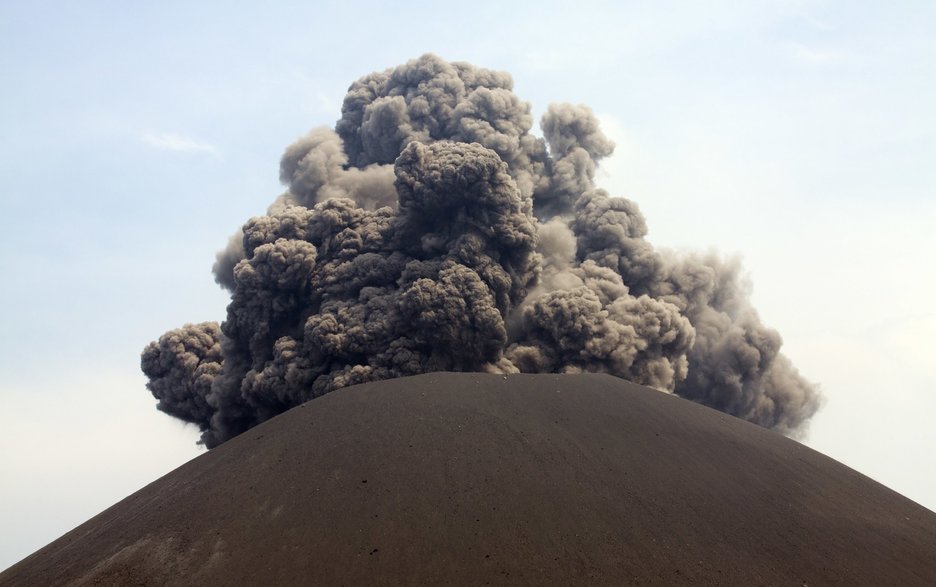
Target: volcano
[[482, 479]]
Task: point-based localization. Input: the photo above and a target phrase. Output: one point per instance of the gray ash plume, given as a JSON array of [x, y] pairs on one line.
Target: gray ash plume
[[430, 230]]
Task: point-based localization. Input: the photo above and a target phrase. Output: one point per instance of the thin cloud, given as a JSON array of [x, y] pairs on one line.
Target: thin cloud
[[317, 101], [327, 103], [816, 56], [179, 143], [817, 23]]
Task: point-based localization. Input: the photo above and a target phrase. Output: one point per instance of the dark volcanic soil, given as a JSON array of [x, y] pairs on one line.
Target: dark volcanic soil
[[488, 479]]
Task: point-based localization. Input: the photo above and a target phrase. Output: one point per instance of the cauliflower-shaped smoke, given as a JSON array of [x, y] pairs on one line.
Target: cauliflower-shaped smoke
[[430, 230]]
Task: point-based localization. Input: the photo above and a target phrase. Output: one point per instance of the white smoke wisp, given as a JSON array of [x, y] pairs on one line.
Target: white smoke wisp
[[430, 230]]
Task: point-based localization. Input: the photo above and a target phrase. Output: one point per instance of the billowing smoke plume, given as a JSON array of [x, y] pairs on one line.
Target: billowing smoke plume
[[430, 230]]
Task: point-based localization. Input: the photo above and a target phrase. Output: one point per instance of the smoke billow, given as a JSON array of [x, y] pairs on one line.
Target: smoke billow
[[430, 230]]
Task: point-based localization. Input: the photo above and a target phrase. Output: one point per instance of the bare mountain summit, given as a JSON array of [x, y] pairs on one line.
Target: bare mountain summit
[[476, 479]]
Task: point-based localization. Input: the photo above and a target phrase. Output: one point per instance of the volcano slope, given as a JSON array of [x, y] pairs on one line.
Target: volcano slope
[[482, 479]]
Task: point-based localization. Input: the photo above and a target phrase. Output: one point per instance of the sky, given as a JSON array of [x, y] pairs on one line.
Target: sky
[[136, 138]]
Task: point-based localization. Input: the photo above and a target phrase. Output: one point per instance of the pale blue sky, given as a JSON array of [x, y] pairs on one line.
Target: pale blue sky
[[800, 135]]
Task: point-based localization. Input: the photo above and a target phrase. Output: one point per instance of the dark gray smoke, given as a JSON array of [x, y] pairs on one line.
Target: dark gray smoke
[[430, 230]]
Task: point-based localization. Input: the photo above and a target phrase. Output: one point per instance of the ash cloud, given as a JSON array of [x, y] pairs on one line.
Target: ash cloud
[[431, 230]]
